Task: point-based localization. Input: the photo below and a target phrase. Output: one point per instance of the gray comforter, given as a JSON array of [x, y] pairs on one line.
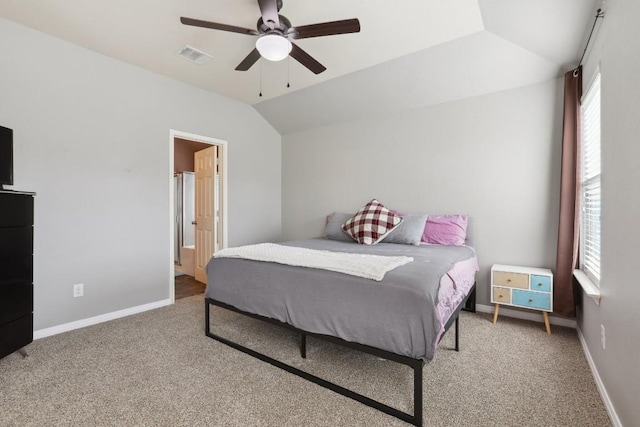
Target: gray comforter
[[397, 314]]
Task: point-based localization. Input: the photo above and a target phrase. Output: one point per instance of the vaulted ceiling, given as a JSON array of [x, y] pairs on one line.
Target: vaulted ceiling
[[408, 54]]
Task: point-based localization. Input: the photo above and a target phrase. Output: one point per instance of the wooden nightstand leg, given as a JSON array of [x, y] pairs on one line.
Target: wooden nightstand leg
[[495, 313], [546, 322]]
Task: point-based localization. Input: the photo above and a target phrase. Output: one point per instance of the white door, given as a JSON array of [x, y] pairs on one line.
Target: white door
[[205, 165]]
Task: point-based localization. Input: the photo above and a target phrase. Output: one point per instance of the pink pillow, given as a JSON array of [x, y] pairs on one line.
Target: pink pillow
[[445, 230]]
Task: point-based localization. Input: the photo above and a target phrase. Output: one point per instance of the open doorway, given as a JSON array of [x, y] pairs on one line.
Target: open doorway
[[198, 195]]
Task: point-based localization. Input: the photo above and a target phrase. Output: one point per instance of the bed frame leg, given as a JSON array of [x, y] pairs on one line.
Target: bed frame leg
[[470, 305], [457, 333], [417, 394], [207, 317], [303, 346]]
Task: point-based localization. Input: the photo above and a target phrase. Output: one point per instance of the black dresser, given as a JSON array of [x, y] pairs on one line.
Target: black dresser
[[16, 270]]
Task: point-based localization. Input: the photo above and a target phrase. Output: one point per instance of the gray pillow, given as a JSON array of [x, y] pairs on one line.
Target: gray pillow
[[409, 232], [333, 229]]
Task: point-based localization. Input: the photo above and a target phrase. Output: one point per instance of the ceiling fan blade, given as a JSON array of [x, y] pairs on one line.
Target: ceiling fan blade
[[305, 59], [269, 11], [216, 26], [325, 29], [248, 62]]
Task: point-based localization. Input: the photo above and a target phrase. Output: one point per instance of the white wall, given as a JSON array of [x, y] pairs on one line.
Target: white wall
[[616, 53], [494, 157], [91, 137]]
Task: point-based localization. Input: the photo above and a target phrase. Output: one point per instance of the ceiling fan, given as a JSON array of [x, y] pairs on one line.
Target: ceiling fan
[[276, 33]]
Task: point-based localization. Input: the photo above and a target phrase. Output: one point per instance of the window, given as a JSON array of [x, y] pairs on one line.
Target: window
[[590, 183]]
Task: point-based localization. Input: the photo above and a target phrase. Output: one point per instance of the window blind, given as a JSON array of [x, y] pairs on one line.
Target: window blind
[[590, 184]]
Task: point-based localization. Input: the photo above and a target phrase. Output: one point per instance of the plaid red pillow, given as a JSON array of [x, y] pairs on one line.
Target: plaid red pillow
[[371, 223]]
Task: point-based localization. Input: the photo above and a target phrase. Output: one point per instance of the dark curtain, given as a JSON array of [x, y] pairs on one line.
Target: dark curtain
[[569, 225]]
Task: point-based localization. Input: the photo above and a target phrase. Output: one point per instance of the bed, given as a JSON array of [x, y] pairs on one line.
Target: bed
[[400, 318]]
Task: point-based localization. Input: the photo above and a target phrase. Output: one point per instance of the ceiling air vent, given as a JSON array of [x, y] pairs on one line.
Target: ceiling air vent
[[194, 55]]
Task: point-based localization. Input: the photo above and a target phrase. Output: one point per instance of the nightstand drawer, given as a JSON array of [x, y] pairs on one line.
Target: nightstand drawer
[[512, 280], [540, 283], [537, 300], [501, 295]]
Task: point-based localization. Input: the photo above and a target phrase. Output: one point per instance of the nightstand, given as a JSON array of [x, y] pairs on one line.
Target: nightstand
[[522, 287]]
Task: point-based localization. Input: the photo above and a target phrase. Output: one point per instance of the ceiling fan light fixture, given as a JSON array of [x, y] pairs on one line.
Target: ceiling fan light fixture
[[273, 47]]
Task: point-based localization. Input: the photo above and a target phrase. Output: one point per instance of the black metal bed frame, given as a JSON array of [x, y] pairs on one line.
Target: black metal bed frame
[[468, 304]]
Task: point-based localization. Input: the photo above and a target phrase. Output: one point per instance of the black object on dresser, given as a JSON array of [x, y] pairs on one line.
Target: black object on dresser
[[16, 271]]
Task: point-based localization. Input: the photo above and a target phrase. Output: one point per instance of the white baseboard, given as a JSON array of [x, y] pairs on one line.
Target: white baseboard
[[535, 316], [615, 421], [54, 330]]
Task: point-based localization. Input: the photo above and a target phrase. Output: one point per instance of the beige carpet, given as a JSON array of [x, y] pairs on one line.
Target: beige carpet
[[159, 369]]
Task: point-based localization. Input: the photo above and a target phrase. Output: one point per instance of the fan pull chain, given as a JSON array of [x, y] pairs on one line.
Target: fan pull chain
[[288, 70], [260, 79]]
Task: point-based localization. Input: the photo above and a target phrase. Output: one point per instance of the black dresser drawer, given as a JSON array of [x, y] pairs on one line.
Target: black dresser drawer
[[16, 210], [16, 241], [15, 335], [16, 269], [17, 301]]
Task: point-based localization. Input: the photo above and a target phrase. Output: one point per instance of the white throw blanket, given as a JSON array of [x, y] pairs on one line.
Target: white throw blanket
[[362, 265]]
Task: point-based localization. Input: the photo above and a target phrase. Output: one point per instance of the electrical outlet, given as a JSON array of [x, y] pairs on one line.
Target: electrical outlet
[[602, 336], [78, 290]]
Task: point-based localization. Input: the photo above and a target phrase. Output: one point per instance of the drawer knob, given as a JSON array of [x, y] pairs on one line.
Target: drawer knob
[[500, 296], [530, 299], [508, 280], [539, 284]]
